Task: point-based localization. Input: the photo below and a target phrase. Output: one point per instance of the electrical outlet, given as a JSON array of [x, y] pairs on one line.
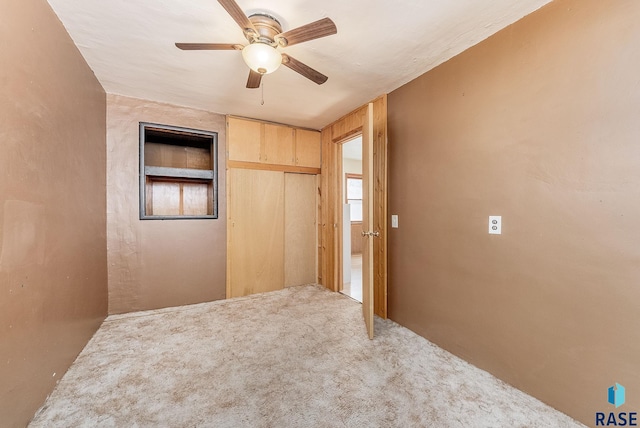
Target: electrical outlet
[[495, 225], [394, 221]]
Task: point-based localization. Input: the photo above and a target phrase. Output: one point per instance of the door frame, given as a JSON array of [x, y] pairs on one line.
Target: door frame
[[330, 249]]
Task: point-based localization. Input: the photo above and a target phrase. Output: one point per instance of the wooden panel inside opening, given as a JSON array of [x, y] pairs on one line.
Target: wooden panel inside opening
[[169, 197], [172, 156]]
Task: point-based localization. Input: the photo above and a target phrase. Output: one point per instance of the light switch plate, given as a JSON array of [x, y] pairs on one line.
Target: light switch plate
[[394, 221], [495, 225]]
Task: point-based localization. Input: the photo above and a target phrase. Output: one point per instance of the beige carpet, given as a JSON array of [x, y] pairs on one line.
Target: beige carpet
[[293, 358]]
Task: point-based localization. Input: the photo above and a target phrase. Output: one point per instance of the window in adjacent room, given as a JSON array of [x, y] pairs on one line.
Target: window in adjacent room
[[354, 195], [178, 173]]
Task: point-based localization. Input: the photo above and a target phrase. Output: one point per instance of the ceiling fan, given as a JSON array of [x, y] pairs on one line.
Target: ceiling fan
[[265, 36]]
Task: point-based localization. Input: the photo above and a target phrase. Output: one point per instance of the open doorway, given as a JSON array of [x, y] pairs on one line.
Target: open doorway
[[352, 218], [369, 121]]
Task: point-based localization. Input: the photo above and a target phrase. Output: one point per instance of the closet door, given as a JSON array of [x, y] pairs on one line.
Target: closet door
[[244, 139], [255, 248], [300, 232], [308, 150], [278, 145]]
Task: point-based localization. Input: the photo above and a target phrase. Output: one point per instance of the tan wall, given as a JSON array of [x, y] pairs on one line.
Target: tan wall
[[158, 263], [538, 124], [53, 262]]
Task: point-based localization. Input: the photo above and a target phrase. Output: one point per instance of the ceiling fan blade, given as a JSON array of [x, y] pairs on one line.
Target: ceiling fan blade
[[254, 80], [237, 14], [303, 69], [208, 46], [321, 28]]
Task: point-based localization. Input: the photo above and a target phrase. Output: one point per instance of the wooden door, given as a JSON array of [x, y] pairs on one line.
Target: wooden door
[[243, 138], [300, 233], [256, 231], [278, 145], [308, 148], [367, 220]]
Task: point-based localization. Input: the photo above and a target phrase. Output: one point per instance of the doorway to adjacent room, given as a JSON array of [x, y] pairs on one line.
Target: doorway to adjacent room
[[352, 218]]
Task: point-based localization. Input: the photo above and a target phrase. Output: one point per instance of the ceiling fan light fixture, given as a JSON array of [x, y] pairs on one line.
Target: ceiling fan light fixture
[[261, 57], [264, 34]]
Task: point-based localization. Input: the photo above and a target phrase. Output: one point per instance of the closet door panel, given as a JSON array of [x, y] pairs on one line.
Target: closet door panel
[[256, 231], [308, 148], [300, 232], [244, 139], [278, 145]]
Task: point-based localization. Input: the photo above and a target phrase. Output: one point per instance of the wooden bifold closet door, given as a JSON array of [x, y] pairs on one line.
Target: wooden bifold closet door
[[256, 231], [272, 229], [300, 231]]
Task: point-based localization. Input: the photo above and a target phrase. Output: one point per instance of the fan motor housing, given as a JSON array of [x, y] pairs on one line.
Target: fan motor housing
[[267, 26]]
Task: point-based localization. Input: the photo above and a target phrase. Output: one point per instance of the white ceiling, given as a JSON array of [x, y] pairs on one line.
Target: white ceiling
[[380, 46]]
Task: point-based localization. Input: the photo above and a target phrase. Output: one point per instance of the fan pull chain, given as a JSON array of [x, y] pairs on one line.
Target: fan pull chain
[[262, 89]]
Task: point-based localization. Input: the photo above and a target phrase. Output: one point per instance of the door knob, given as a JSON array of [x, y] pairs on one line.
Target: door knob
[[376, 234]]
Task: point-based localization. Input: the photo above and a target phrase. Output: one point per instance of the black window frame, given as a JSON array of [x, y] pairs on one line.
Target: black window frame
[[178, 174]]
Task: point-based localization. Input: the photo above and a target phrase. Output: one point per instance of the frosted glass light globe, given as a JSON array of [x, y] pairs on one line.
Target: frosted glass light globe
[[262, 58]]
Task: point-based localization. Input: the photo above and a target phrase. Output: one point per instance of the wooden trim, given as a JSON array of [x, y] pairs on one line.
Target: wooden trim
[[180, 217], [318, 227], [227, 195], [348, 135], [203, 174], [339, 197], [330, 202], [273, 167]]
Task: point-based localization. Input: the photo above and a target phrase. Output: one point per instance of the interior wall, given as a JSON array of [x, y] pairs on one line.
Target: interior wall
[[538, 124], [351, 166], [159, 263], [53, 263]]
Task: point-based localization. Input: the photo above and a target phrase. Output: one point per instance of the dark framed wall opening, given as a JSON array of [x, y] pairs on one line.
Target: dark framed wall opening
[[178, 173]]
